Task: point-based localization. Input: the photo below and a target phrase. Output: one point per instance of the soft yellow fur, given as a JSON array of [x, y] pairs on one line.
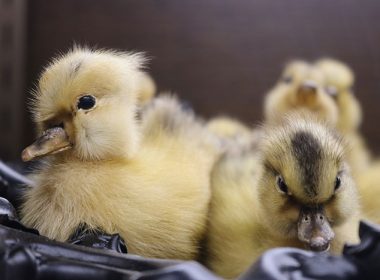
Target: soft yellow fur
[[247, 213], [369, 187], [232, 132], [148, 180], [340, 76], [147, 89], [227, 127]]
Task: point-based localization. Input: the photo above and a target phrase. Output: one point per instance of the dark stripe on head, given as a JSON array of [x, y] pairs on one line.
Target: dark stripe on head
[[308, 153]]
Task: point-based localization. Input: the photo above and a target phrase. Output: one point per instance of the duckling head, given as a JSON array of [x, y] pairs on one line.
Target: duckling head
[[85, 106], [305, 189], [300, 88], [339, 81]]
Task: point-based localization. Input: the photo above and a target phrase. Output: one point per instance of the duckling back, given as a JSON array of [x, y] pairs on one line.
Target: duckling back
[[146, 179]]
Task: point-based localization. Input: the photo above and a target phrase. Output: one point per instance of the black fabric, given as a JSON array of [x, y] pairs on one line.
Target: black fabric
[[24, 254], [98, 239], [12, 183]]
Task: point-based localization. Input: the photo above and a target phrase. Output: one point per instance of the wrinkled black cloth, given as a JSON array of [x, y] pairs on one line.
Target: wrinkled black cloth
[[12, 183], [98, 239], [357, 262], [24, 254], [29, 256], [8, 217]]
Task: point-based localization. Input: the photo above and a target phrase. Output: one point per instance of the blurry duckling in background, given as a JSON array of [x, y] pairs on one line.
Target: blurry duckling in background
[[147, 180], [232, 132], [227, 127], [339, 82], [323, 88], [295, 190], [300, 88]]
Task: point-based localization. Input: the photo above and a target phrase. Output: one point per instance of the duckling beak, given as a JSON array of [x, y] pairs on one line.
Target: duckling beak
[[307, 92], [53, 140], [314, 229]]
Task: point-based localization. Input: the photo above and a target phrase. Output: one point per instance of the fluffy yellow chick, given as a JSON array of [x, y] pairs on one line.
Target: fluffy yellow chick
[[296, 191], [147, 180], [300, 88], [339, 81]]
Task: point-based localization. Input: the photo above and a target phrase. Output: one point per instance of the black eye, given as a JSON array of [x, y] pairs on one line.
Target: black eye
[[332, 91], [86, 102], [337, 183], [287, 79], [282, 187]]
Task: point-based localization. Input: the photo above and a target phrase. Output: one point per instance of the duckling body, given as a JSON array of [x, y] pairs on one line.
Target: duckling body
[[250, 213], [147, 180]]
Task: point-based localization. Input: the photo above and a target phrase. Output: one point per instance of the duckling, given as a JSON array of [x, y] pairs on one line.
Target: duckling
[[294, 191], [147, 180], [339, 82], [300, 88]]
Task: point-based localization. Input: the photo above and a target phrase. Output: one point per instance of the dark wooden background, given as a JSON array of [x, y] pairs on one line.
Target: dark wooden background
[[220, 55]]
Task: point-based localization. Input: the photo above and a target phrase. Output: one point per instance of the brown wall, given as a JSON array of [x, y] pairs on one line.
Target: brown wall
[[220, 55], [12, 76]]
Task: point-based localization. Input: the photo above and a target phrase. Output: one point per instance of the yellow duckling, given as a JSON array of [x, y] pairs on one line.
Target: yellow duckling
[[296, 191], [300, 88], [147, 180], [339, 82]]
